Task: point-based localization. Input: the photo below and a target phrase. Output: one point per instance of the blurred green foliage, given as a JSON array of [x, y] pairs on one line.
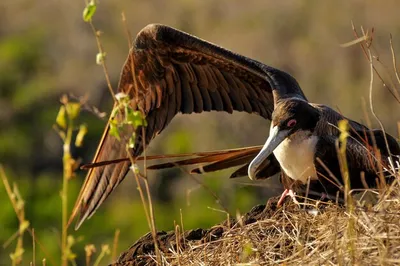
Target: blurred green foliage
[[47, 49]]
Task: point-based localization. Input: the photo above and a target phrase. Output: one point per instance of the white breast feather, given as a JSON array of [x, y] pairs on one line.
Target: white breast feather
[[296, 156]]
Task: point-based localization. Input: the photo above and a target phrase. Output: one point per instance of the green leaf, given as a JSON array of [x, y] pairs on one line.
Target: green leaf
[[89, 11], [81, 134], [135, 118], [127, 112], [114, 131], [60, 120]]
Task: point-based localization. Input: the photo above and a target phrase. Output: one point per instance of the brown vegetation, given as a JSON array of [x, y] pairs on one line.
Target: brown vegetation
[[316, 234]]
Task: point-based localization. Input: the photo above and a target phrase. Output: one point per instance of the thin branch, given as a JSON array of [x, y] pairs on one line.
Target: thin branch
[[394, 59], [376, 71], [372, 107], [103, 63]]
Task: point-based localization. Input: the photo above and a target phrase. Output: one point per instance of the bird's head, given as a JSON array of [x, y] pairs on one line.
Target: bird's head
[[290, 116]]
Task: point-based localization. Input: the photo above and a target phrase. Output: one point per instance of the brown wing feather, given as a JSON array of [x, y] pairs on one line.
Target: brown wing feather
[[176, 72]]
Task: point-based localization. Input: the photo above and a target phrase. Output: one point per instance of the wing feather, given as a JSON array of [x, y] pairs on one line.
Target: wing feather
[[233, 93], [178, 92]]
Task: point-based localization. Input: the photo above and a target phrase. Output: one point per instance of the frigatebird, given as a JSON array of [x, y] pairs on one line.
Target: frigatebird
[[169, 72]]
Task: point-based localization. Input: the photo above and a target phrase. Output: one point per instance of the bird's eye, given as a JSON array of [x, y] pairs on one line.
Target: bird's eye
[[291, 123]]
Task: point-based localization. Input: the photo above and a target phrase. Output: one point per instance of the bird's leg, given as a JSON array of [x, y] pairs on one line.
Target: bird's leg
[[283, 196], [287, 192], [323, 196]]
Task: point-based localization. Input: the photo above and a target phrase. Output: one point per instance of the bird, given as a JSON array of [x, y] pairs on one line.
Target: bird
[[168, 71], [302, 145]]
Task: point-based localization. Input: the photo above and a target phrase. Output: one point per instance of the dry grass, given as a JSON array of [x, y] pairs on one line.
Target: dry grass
[[311, 236]]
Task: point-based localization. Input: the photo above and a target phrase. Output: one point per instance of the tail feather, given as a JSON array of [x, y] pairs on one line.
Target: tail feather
[[112, 176], [207, 157], [229, 161], [268, 168], [102, 180], [164, 156], [190, 161], [242, 171], [219, 160], [140, 158]]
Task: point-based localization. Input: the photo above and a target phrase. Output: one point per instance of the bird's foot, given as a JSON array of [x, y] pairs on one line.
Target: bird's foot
[[287, 192], [323, 196]]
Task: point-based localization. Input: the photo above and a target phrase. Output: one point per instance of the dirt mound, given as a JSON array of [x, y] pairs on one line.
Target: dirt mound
[[142, 252], [315, 233]]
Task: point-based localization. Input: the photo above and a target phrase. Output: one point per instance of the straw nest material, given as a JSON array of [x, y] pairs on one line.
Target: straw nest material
[[313, 233]]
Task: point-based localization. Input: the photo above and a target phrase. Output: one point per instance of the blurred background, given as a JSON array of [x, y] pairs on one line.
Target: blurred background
[[46, 49]]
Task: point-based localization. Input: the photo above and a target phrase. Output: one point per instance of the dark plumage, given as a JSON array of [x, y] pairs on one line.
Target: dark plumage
[[178, 73]]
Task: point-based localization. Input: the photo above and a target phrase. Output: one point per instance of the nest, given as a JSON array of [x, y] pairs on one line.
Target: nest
[[312, 233]]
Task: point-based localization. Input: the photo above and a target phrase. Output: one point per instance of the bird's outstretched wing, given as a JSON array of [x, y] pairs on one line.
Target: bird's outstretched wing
[[178, 73]]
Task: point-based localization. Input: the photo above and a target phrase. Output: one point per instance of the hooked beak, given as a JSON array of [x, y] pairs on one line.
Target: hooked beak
[[275, 138]]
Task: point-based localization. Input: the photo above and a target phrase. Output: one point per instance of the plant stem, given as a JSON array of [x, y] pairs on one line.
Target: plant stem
[[67, 173]]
